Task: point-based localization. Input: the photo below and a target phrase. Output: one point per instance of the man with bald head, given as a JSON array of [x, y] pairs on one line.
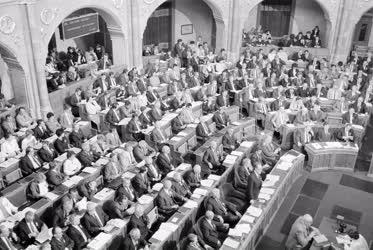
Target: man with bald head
[[193, 177], [60, 240], [164, 160], [213, 232], [94, 220], [8, 240], [211, 160], [167, 200], [133, 240], [179, 186], [139, 221], [301, 233]]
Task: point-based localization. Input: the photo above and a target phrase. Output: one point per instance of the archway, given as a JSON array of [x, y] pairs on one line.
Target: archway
[[187, 20], [362, 37], [285, 17]]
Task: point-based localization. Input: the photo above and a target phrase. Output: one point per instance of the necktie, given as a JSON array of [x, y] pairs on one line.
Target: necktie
[[8, 243], [222, 205], [32, 227], [98, 219], [82, 233], [162, 136], [35, 161], [131, 196], [198, 177], [204, 127]]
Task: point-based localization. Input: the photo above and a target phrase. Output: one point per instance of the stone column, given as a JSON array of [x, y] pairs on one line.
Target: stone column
[[136, 35], [220, 34], [118, 44], [35, 44], [235, 32]]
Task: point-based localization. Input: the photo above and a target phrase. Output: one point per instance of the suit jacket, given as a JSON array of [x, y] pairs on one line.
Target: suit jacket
[[174, 104], [6, 247], [221, 101], [219, 208], [360, 110], [300, 136], [132, 195], [210, 233], [77, 238], [86, 158], [304, 92], [158, 135], [300, 118], [323, 137], [145, 119], [39, 134], [164, 163], [91, 223], [128, 244], [54, 178], [152, 96], [76, 139], [140, 184], [228, 141], [220, 119], [66, 119], [297, 238], [61, 145], [26, 166], [156, 115], [191, 179], [254, 184], [140, 223], [257, 159], [59, 217], [111, 118], [259, 92], [114, 211], [63, 244], [177, 125], [280, 118], [181, 189], [201, 131], [209, 157], [47, 156], [323, 92], [340, 133], [24, 231], [317, 116], [346, 118], [165, 201]]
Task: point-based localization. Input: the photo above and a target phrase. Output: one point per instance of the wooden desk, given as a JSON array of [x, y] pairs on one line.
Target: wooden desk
[[315, 52], [270, 208], [331, 156], [183, 141]]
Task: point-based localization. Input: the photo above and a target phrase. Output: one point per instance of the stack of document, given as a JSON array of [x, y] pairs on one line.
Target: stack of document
[[207, 183], [229, 242], [269, 191], [236, 123], [157, 187], [237, 153], [283, 165], [128, 175], [270, 180], [100, 241], [248, 218], [145, 199], [230, 159], [168, 226], [161, 235], [288, 158], [243, 228], [264, 196], [72, 181], [102, 162], [184, 166], [317, 146], [182, 134], [89, 170], [254, 211], [233, 232], [214, 177], [190, 204], [200, 191], [176, 138], [247, 144], [52, 196], [104, 194], [196, 196]]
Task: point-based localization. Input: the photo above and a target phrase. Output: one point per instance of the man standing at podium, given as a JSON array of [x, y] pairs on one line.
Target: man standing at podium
[[301, 233]]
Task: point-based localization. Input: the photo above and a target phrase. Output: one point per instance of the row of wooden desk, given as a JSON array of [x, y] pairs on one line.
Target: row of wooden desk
[[260, 214]]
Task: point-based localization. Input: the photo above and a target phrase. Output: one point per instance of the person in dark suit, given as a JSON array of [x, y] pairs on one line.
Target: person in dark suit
[[87, 189], [113, 116], [224, 212], [8, 239], [164, 161], [74, 100], [151, 95], [77, 233], [202, 129], [316, 114], [76, 137], [47, 153], [319, 91], [359, 106], [213, 232], [193, 244], [133, 129], [302, 136], [345, 134], [94, 219], [193, 177], [41, 132], [177, 125], [167, 200], [141, 182], [302, 116], [304, 91], [139, 221], [54, 176], [133, 240], [29, 228], [179, 186], [324, 134], [279, 102], [62, 212], [229, 143], [211, 161], [118, 208], [30, 162], [61, 143], [156, 113], [60, 241], [144, 118], [86, 157], [221, 119], [143, 150], [127, 190], [350, 116], [222, 100], [241, 174], [254, 184]]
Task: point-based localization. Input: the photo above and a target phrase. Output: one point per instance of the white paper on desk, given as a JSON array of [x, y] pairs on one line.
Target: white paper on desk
[[168, 226], [171, 174], [236, 123], [128, 175], [161, 234], [184, 166], [264, 196], [248, 218], [254, 211], [196, 196], [52, 196], [290, 125], [102, 161], [89, 170], [357, 126], [234, 232], [44, 235], [269, 191], [231, 243], [190, 204], [157, 187], [230, 159], [100, 241], [82, 204], [237, 153], [247, 144], [108, 228], [288, 158], [182, 134], [176, 138], [119, 223], [104, 194], [76, 179], [124, 122], [145, 199], [343, 239], [61, 158], [317, 146], [284, 166], [320, 238], [271, 177], [75, 150], [200, 191], [214, 177], [207, 183], [243, 228], [192, 125]]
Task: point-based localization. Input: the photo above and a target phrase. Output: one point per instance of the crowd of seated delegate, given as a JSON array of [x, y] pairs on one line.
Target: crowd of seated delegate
[[62, 68], [153, 162], [258, 38]]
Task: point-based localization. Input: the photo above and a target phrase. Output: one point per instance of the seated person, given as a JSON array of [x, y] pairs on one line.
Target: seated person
[[193, 243], [311, 102], [10, 148], [202, 129], [67, 119], [61, 143], [8, 125], [193, 177], [158, 134], [257, 159], [142, 150], [23, 119], [112, 138], [127, 190], [261, 110], [187, 115], [177, 124], [319, 91], [346, 134], [133, 129], [302, 116], [133, 240], [62, 212], [241, 174], [179, 186], [144, 118], [270, 154], [359, 106], [47, 153], [71, 165], [221, 119], [229, 143], [126, 109], [126, 157], [76, 137], [302, 136], [279, 119], [296, 104], [8, 238], [164, 160], [139, 220], [350, 116], [30, 162], [224, 212], [254, 184], [211, 160], [7, 209], [94, 220], [86, 157], [334, 93], [154, 174], [156, 112], [92, 108], [77, 233], [167, 200], [54, 176], [304, 91], [88, 189], [112, 172], [29, 141], [325, 134], [279, 102], [316, 114], [213, 232], [29, 228], [119, 208], [301, 233], [37, 188], [141, 182], [40, 131], [113, 116], [60, 240], [341, 105]]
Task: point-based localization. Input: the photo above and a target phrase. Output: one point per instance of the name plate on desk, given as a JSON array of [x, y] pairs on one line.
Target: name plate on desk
[[9, 163], [100, 241], [104, 194], [72, 181], [145, 199]]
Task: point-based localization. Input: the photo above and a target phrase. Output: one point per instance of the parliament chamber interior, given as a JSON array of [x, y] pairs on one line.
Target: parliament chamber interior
[[186, 124]]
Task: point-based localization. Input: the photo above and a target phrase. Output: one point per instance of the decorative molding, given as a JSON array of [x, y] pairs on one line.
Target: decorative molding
[[149, 1], [118, 3], [48, 15], [7, 25]]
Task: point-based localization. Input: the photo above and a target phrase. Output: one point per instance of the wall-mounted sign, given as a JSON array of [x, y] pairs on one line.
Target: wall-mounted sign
[[186, 29], [80, 26]]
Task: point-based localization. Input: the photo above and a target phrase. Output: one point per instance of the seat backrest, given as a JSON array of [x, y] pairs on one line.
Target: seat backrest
[[99, 181], [2, 184], [236, 180], [197, 228], [13, 176]]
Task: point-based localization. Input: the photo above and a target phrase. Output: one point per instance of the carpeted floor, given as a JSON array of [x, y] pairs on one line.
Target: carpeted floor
[[323, 194]]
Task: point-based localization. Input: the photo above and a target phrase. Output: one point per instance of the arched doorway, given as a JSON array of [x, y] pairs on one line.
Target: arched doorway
[[286, 17], [187, 20], [363, 35]]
